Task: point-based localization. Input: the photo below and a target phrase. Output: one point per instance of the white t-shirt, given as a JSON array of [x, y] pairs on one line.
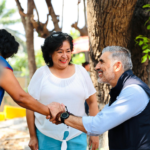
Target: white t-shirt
[[72, 92]]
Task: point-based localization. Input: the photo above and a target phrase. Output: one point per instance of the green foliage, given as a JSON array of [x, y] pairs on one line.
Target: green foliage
[[5, 14], [2, 6], [20, 62], [78, 58], [146, 6], [143, 41], [74, 33], [39, 59]]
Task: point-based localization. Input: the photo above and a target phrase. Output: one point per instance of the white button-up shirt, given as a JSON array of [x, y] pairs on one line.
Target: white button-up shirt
[[131, 101]]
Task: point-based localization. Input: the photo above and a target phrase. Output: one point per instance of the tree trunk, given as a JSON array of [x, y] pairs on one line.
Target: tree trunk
[[30, 39], [109, 23], [140, 16], [28, 27]]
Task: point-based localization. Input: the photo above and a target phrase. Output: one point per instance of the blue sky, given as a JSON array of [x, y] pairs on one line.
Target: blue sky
[[70, 15]]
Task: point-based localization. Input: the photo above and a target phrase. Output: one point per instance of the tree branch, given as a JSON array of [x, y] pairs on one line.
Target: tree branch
[[85, 13], [36, 11], [53, 15], [83, 31], [22, 14], [62, 14], [77, 13]]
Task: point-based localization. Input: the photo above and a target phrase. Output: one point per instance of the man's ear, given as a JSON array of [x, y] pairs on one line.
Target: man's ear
[[117, 66]]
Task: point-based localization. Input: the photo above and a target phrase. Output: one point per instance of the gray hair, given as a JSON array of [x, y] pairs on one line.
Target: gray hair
[[120, 53]]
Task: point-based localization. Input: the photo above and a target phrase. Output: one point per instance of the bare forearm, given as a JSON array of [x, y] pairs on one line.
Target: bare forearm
[[93, 106], [93, 109], [26, 101], [75, 122], [30, 121], [12, 87]]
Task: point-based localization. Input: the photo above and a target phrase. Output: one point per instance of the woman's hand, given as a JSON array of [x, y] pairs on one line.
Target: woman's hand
[[55, 108], [94, 142], [33, 143]]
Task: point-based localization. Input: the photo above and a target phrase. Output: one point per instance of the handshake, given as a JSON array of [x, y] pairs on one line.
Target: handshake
[[56, 109]]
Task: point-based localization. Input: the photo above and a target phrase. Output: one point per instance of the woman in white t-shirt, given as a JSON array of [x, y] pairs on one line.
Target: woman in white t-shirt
[[60, 81]]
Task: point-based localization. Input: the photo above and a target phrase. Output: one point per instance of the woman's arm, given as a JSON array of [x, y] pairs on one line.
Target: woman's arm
[[10, 84], [93, 106], [93, 110], [33, 143]]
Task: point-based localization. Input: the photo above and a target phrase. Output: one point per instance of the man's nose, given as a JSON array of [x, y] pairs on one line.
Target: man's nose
[[97, 66]]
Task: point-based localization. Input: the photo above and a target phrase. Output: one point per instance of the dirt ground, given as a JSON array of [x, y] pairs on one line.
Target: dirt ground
[[14, 134]]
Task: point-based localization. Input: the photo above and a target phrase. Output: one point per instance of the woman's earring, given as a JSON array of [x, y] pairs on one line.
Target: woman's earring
[[50, 58]]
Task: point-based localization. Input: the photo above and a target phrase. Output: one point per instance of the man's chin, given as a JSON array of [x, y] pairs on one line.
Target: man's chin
[[100, 81]]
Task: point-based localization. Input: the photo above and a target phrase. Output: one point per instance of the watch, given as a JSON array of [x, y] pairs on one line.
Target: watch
[[65, 115]]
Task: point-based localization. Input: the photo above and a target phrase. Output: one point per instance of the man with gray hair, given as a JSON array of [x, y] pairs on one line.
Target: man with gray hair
[[127, 116]]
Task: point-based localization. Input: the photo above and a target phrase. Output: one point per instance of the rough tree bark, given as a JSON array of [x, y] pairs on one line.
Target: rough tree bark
[[30, 39], [109, 23], [29, 34]]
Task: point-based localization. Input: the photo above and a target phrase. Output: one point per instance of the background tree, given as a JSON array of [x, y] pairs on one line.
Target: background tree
[[29, 24], [115, 23], [19, 62], [6, 21], [83, 31]]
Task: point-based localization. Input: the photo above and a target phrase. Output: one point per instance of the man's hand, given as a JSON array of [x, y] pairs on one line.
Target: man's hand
[[94, 142], [55, 108]]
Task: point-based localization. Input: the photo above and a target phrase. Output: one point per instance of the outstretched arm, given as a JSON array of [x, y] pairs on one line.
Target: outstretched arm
[[10, 84], [75, 122]]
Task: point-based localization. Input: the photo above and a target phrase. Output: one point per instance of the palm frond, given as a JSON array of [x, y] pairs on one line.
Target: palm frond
[[8, 13], [2, 6], [8, 21], [14, 32]]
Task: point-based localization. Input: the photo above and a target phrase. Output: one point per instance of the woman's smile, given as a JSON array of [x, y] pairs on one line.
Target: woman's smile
[[63, 61]]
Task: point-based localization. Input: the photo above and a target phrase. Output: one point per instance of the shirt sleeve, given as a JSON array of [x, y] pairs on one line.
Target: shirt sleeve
[[89, 87], [131, 102], [35, 84], [5, 64]]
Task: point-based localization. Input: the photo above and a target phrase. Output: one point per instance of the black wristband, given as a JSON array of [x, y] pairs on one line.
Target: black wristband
[[65, 115]]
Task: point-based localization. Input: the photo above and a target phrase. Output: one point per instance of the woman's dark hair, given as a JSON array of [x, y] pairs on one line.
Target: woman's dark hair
[[8, 44], [53, 43]]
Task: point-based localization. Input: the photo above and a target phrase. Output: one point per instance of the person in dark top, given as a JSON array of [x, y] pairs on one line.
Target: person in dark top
[[8, 82]]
